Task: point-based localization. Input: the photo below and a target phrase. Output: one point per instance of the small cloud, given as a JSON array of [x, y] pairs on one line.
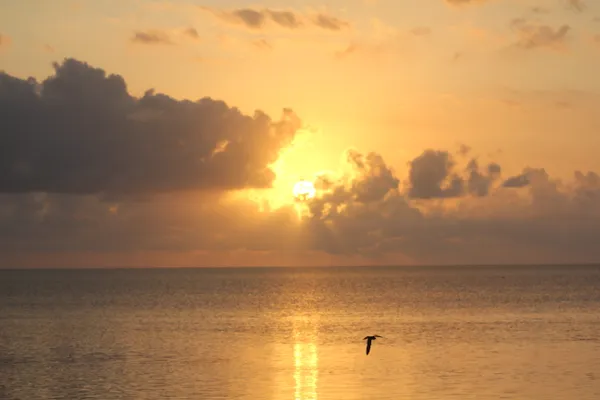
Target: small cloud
[[329, 22], [463, 149], [262, 44], [576, 5], [251, 18], [540, 10], [151, 37], [421, 31], [517, 181], [191, 33], [256, 19], [286, 19], [531, 36], [351, 49]]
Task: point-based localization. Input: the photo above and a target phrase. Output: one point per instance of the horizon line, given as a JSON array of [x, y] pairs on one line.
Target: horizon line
[[408, 266]]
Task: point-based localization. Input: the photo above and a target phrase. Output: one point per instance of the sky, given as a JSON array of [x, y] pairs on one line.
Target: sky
[[172, 133]]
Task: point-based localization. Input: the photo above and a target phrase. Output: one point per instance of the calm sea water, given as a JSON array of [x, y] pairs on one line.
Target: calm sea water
[[295, 334]]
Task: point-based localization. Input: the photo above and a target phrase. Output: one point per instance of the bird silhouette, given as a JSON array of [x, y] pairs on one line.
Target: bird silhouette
[[369, 339]]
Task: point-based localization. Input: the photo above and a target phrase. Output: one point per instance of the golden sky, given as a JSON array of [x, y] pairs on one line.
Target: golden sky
[[142, 132]]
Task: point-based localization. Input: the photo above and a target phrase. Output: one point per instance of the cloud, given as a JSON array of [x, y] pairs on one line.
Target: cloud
[[80, 131], [532, 36], [364, 212], [330, 23], [86, 168], [576, 5], [151, 37], [517, 181], [258, 19], [539, 10], [433, 175], [349, 50], [530, 223], [286, 19], [262, 44], [421, 31], [191, 33], [430, 176]]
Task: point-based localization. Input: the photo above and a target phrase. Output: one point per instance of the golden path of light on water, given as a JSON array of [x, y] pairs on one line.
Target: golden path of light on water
[[306, 361], [306, 371]]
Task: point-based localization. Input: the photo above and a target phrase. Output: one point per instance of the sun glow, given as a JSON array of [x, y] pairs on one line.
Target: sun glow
[[295, 170], [304, 190]]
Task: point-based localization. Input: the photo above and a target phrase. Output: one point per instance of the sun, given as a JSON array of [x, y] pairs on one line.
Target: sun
[[304, 190]]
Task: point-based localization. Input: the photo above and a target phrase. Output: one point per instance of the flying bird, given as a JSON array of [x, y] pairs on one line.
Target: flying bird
[[369, 339]]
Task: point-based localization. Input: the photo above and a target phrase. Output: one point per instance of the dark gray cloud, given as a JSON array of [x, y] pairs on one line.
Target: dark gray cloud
[[523, 179], [546, 221], [362, 213], [86, 167], [257, 19], [430, 176], [479, 183], [79, 131], [531, 35], [151, 37]]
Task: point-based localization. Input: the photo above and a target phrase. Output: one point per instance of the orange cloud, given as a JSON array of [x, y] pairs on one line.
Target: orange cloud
[[533, 36], [259, 19], [191, 33], [151, 37]]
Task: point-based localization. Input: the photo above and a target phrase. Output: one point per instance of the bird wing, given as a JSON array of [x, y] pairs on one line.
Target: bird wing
[[368, 346]]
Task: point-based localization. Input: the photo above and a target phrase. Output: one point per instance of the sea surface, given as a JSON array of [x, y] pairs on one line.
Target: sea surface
[[296, 334]]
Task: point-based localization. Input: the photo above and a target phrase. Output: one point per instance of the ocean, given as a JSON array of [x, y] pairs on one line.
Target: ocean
[[296, 333]]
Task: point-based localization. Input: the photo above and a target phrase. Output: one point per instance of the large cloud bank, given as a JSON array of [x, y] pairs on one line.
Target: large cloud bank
[[86, 167]]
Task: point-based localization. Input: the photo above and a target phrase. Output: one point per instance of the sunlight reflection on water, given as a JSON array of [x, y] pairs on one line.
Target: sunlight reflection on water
[[297, 335], [306, 358], [306, 373]]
